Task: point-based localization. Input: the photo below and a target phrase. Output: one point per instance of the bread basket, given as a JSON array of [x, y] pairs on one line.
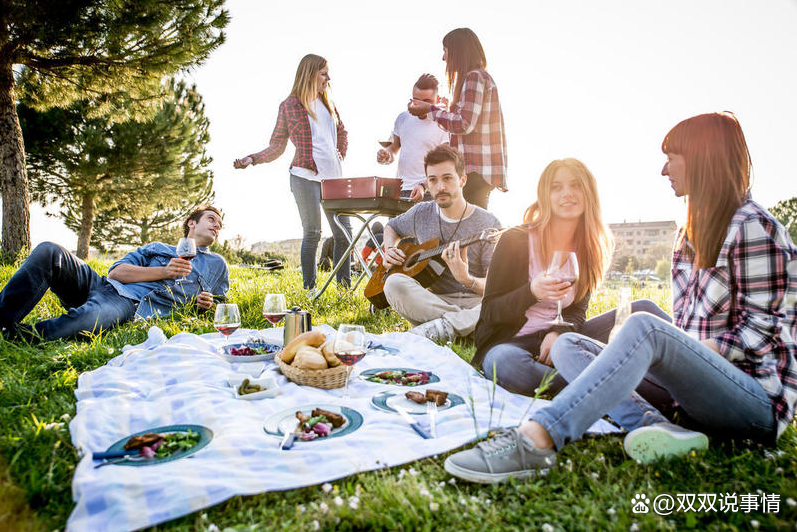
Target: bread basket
[[319, 378]]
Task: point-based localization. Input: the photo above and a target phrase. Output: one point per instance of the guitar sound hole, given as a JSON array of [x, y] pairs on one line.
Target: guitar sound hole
[[411, 261]]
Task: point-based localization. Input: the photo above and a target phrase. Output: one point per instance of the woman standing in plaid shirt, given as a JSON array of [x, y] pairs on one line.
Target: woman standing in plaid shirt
[[475, 121], [728, 359], [310, 120]]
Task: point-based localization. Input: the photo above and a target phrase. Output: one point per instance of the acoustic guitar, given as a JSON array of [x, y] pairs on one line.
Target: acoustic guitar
[[422, 264]]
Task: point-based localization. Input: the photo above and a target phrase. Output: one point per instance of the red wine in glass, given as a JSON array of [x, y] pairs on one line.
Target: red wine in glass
[[275, 317], [188, 257], [350, 358], [227, 330]]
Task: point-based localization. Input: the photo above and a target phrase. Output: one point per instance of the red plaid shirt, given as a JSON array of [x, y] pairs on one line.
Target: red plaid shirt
[[476, 125], [747, 303], [294, 123]]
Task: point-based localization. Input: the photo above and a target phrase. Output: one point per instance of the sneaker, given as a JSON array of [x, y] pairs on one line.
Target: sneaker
[[662, 440], [508, 454], [438, 330]]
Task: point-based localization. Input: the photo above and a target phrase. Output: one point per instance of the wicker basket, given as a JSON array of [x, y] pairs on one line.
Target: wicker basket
[[319, 378]]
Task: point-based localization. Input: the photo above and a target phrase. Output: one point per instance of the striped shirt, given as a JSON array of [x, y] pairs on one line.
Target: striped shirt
[[476, 125], [747, 303]]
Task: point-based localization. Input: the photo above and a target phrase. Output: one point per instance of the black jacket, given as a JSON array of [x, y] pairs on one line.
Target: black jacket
[[507, 296]]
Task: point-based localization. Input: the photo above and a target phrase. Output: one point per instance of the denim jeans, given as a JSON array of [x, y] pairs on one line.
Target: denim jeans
[[518, 371], [92, 303], [308, 199], [718, 396]]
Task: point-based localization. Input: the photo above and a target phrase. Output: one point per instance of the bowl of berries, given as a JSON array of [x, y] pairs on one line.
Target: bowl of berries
[[250, 352]]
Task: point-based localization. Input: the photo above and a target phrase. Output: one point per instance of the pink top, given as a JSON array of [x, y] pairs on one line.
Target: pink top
[[540, 312]]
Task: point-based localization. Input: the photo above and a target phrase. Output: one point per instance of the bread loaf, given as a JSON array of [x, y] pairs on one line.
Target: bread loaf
[[309, 338], [310, 358], [329, 353]]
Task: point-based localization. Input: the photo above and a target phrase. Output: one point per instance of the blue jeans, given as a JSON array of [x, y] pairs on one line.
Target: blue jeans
[[518, 371], [92, 303], [308, 199], [718, 396]]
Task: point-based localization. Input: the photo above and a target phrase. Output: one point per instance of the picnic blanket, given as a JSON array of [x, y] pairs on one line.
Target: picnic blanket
[[183, 380]]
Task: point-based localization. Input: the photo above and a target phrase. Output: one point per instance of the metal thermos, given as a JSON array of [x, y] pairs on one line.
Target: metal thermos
[[297, 321]]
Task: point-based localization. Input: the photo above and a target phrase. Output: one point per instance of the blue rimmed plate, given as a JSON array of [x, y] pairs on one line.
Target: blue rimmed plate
[[285, 421], [368, 373], [205, 435], [388, 400], [269, 355]]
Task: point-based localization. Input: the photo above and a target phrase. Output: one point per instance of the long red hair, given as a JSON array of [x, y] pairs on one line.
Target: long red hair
[[717, 179]]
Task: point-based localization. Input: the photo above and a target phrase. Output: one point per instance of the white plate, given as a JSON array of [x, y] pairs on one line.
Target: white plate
[[252, 368], [268, 381]]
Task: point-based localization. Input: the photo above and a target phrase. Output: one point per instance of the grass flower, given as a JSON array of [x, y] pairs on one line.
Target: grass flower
[[338, 500], [433, 506], [324, 507], [354, 502], [326, 487], [547, 527]]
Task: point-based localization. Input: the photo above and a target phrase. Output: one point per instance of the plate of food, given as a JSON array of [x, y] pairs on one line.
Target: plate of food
[[158, 445], [399, 376], [415, 402], [314, 422], [250, 352]]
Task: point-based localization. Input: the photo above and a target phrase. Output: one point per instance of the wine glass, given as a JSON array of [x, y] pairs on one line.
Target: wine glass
[[274, 308], [227, 319], [186, 250], [349, 347], [564, 266]]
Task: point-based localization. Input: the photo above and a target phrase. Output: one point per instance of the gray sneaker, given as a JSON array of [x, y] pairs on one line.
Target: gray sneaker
[[438, 330], [508, 454], [662, 440]]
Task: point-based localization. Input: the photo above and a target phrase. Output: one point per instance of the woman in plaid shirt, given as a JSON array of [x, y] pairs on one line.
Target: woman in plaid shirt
[[728, 359], [312, 123], [475, 121]]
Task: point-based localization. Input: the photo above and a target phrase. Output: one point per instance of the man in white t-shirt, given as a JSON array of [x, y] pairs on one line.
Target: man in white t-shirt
[[414, 136]]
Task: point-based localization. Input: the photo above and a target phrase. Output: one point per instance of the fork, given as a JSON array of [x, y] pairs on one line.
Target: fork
[[431, 410]]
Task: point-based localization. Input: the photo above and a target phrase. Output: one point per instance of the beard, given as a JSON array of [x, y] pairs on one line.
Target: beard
[[444, 201]]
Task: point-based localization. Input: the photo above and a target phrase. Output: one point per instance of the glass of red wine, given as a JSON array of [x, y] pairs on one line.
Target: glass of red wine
[[274, 308], [349, 347], [564, 266], [186, 250], [227, 319]]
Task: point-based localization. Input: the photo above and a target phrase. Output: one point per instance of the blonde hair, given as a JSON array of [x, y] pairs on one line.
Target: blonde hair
[[717, 179], [305, 85], [594, 241]]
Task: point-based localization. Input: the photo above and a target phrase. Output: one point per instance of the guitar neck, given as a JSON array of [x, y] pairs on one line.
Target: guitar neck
[[434, 252]]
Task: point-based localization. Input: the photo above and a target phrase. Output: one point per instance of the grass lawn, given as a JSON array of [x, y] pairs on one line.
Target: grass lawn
[[592, 488]]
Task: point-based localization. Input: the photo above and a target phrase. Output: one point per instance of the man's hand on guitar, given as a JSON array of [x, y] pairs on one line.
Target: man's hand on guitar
[[457, 260], [394, 257]]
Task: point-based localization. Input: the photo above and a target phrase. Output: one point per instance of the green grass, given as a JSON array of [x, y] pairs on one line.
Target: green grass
[[591, 489]]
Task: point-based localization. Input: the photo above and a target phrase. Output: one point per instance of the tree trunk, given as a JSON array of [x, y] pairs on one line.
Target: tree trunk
[[86, 225], [13, 178], [144, 231]]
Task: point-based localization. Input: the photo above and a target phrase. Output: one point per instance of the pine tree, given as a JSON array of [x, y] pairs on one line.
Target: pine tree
[[120, 183], [786, 213], [114, 51]]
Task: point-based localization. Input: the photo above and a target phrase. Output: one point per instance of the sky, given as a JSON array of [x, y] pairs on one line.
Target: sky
[[602, 81]]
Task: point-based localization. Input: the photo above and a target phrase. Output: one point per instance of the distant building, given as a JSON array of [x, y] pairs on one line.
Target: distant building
[[640, 237]]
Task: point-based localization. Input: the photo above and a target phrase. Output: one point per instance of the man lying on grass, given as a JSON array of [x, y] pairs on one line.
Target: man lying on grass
[[142, 284], [728, 358]]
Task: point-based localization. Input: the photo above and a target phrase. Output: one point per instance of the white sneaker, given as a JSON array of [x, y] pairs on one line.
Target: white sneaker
[[438, 330], [662, 440]]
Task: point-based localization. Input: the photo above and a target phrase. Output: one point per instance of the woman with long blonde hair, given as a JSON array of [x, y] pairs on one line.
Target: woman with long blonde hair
[[513, 335], [730, 356], [312, 123]]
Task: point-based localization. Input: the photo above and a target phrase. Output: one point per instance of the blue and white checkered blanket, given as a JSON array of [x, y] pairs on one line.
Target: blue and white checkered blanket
[[183, 380]]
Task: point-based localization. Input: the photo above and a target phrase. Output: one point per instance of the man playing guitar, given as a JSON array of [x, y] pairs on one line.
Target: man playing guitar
[[450, 307]]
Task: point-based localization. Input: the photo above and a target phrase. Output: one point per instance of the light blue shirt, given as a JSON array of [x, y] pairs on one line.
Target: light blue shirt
[[209, 273]]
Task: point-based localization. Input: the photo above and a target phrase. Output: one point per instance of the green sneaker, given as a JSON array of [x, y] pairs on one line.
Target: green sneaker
[[662, 440], [508, 454]]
